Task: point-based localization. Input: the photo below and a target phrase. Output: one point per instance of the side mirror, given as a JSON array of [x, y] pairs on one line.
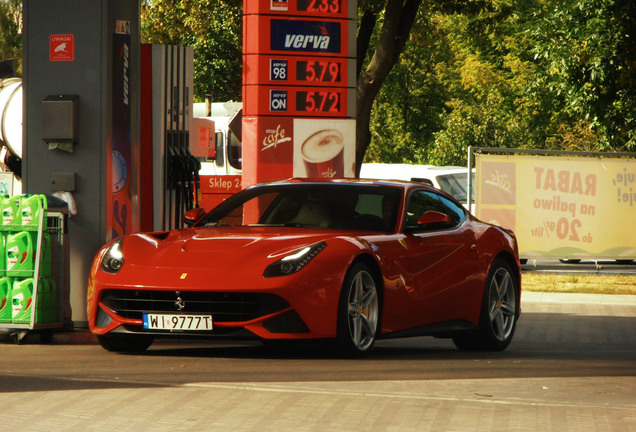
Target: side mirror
[[433, 217], [192, 216]]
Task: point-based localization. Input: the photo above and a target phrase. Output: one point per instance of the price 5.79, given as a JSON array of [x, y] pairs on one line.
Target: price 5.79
[[318, 71]]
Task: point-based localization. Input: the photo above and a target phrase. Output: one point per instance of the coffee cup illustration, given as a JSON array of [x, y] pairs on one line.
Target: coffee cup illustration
[[323, 154]]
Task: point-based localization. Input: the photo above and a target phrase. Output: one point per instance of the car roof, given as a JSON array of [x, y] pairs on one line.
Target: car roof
[[346, 181], [400, 184]]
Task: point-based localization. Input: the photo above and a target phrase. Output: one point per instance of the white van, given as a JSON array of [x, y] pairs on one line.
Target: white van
[[451, 179]]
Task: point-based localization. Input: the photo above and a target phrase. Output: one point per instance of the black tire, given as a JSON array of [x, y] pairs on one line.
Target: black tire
[[358, 311], [125, 343], [499, 312]]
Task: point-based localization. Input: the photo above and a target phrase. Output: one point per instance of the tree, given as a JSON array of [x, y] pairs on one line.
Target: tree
[[486, 74], [398, 18], [11, 32], [586, 59], [409, 107], [213, 28], [554, 74]]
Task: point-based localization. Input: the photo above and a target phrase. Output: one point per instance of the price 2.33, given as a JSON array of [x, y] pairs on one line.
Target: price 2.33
[[332, 6]]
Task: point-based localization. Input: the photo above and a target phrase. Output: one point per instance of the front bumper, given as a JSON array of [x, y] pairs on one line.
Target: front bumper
[[264, 315]]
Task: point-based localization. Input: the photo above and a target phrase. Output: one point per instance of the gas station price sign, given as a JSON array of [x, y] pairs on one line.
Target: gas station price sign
[[344, 9], [299, 101], [299, 71], [299, 65]]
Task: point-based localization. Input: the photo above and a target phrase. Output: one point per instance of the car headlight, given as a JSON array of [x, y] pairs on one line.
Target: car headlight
[[113, 259], [295, 261]]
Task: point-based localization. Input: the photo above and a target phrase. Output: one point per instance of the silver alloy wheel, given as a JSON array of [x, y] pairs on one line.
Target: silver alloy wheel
[[363, 310], [502, 304]]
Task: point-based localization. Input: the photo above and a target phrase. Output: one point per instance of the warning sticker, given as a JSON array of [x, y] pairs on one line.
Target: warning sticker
[[62, 47]]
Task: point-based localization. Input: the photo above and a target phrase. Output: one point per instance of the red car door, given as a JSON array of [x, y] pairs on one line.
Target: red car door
[[439, 269]]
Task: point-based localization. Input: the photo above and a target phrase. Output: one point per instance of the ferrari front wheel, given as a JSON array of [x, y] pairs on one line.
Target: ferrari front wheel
[[359, 311], [499, 312]]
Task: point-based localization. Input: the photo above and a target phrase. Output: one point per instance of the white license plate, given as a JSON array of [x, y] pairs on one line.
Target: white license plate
[[177, 322]]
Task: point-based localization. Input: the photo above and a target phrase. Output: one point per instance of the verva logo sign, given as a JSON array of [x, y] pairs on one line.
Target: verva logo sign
[[62, 47], [306, 36]]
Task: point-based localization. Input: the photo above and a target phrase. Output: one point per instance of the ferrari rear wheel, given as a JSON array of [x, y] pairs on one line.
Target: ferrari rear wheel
[[359, 311], [125, 343], [499, 312]]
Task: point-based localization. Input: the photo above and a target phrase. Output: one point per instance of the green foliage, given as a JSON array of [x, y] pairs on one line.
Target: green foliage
[[213, 28], [405, 113], [556, 74], [10, 31], [486, 74], [587, 55]]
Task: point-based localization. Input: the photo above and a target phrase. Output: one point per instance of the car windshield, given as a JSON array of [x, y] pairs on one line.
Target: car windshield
[[455, 185], [332, 205]]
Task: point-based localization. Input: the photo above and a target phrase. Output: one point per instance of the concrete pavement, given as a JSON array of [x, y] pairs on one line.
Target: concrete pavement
[[540, 404]]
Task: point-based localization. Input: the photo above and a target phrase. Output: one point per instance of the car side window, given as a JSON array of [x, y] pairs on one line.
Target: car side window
[[421, 201], [454, 211]]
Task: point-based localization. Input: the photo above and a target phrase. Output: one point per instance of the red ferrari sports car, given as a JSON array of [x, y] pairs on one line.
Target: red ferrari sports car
[[351, 261]]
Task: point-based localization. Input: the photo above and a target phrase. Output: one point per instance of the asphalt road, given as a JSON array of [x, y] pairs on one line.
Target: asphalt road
[[571, 367]]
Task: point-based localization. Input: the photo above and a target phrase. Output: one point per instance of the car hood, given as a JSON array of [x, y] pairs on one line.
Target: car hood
[[218, 246]]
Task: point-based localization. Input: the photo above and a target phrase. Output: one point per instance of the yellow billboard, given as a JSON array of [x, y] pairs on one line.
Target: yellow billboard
[[564, 207]]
